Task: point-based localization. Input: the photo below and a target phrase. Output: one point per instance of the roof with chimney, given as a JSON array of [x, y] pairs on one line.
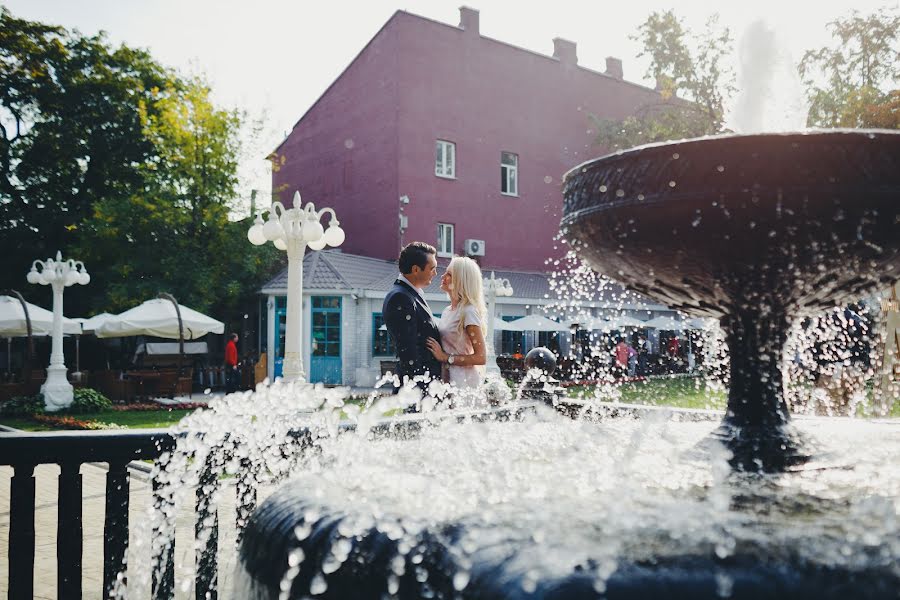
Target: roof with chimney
[[564, 51]]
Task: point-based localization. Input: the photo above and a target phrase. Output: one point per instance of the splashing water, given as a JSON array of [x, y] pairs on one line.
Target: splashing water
[[546, 495], [770, 94]]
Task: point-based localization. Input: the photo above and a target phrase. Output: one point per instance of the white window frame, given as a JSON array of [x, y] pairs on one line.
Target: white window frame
[[509, 174], [442, 166], [445, 244]]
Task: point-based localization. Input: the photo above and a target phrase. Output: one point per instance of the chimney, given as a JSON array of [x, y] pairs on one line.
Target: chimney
[[564, 51], [468, 20], [614, 67]]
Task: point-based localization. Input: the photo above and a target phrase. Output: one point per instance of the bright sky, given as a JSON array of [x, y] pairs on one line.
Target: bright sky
[[278, 56]]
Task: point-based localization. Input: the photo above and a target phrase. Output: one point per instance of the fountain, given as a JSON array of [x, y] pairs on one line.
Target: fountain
[[754, 231], [552, 498]]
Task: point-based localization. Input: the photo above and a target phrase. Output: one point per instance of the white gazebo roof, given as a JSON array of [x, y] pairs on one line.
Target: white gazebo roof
[[157, 318], [12, 320]]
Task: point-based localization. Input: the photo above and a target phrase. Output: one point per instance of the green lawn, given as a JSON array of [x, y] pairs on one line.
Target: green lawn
[[682, 392], [685, 393], [138, 419]]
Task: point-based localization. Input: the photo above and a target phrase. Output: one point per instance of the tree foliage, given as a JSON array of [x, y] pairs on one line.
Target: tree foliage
[[122, 163], [852, 83], [692, 77]]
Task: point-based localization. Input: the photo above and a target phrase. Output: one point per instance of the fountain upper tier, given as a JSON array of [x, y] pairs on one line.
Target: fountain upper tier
[[791, 221]]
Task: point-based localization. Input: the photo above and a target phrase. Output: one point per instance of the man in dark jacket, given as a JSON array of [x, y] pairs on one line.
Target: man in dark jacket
[[408, 317]]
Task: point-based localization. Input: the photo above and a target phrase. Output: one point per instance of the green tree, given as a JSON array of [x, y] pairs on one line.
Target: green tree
[[852, 83], [122, 163], [71, 134], [175, 234], [692, 77]]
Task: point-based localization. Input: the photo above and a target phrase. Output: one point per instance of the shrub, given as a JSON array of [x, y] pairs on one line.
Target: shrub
[[88, 400], [23, 405]]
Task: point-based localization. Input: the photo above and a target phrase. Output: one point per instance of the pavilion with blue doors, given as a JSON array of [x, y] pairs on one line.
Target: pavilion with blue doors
[[344, 342]]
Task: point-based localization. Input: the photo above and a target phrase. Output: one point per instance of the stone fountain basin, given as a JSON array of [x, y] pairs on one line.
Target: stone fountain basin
[[807, 543], [803, 220]]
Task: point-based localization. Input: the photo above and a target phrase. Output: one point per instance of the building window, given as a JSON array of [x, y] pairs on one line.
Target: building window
[[445, 159], [445, 239], [509, 173], [382, 343]]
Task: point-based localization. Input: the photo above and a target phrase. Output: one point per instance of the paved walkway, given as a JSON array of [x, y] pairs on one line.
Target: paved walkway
[[94, 486]]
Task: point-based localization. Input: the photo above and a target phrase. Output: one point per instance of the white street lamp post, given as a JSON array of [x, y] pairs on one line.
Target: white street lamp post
[[59, 274], [494, 287], [292, 230]]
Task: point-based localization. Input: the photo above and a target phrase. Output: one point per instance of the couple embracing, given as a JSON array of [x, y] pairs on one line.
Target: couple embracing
[[452, 349]]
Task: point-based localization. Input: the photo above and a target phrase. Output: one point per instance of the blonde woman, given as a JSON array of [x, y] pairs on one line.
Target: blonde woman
[[462, 324]]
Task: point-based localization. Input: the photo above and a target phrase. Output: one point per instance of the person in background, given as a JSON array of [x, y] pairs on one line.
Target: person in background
[[231, 364], [674, 347], [643, 356], [674, 351], [621, 353], [632, 360]]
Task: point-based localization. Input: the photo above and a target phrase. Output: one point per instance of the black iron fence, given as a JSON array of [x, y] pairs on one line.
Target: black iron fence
[[24, 451]]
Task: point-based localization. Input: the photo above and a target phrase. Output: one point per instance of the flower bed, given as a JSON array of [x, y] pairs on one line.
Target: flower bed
[[90, 410], [71, 422]]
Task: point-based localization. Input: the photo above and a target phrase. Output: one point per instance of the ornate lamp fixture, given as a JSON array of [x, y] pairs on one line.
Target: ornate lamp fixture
[[493, 288], [293, 230], [59, 274]]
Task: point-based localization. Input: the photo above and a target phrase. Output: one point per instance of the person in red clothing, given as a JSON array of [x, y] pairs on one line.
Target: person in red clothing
[[231, 364], [622, 353]]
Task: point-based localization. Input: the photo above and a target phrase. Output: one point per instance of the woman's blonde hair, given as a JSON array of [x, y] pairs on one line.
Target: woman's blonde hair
[[467, 286]]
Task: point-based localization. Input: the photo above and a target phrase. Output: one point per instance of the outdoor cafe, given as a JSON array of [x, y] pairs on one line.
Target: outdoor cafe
[[131, 355]]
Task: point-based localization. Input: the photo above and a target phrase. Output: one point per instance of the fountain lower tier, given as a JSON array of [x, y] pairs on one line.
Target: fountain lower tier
[[550, 507], [755, 231], [497, 574]]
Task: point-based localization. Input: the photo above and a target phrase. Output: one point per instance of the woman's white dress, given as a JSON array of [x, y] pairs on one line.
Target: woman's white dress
[[455, 342]]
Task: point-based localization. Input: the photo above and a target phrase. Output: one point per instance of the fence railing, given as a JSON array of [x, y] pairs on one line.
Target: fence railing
[[70, 449], [24, 451]]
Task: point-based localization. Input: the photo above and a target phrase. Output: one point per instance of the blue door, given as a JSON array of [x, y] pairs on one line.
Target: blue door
[[280, 331], [325, 354]]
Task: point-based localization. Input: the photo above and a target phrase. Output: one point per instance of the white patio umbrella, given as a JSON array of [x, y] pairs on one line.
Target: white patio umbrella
[[667, 324], [158, 318], [535, 323], [501, 325], [611, 324], [699, 323], [91, 324], [12, 320]]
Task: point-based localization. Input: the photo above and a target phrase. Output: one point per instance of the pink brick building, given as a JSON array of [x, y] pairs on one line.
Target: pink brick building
[[474, 132]]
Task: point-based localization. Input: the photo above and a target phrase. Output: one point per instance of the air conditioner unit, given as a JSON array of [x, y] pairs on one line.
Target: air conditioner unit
[[474, 247]]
